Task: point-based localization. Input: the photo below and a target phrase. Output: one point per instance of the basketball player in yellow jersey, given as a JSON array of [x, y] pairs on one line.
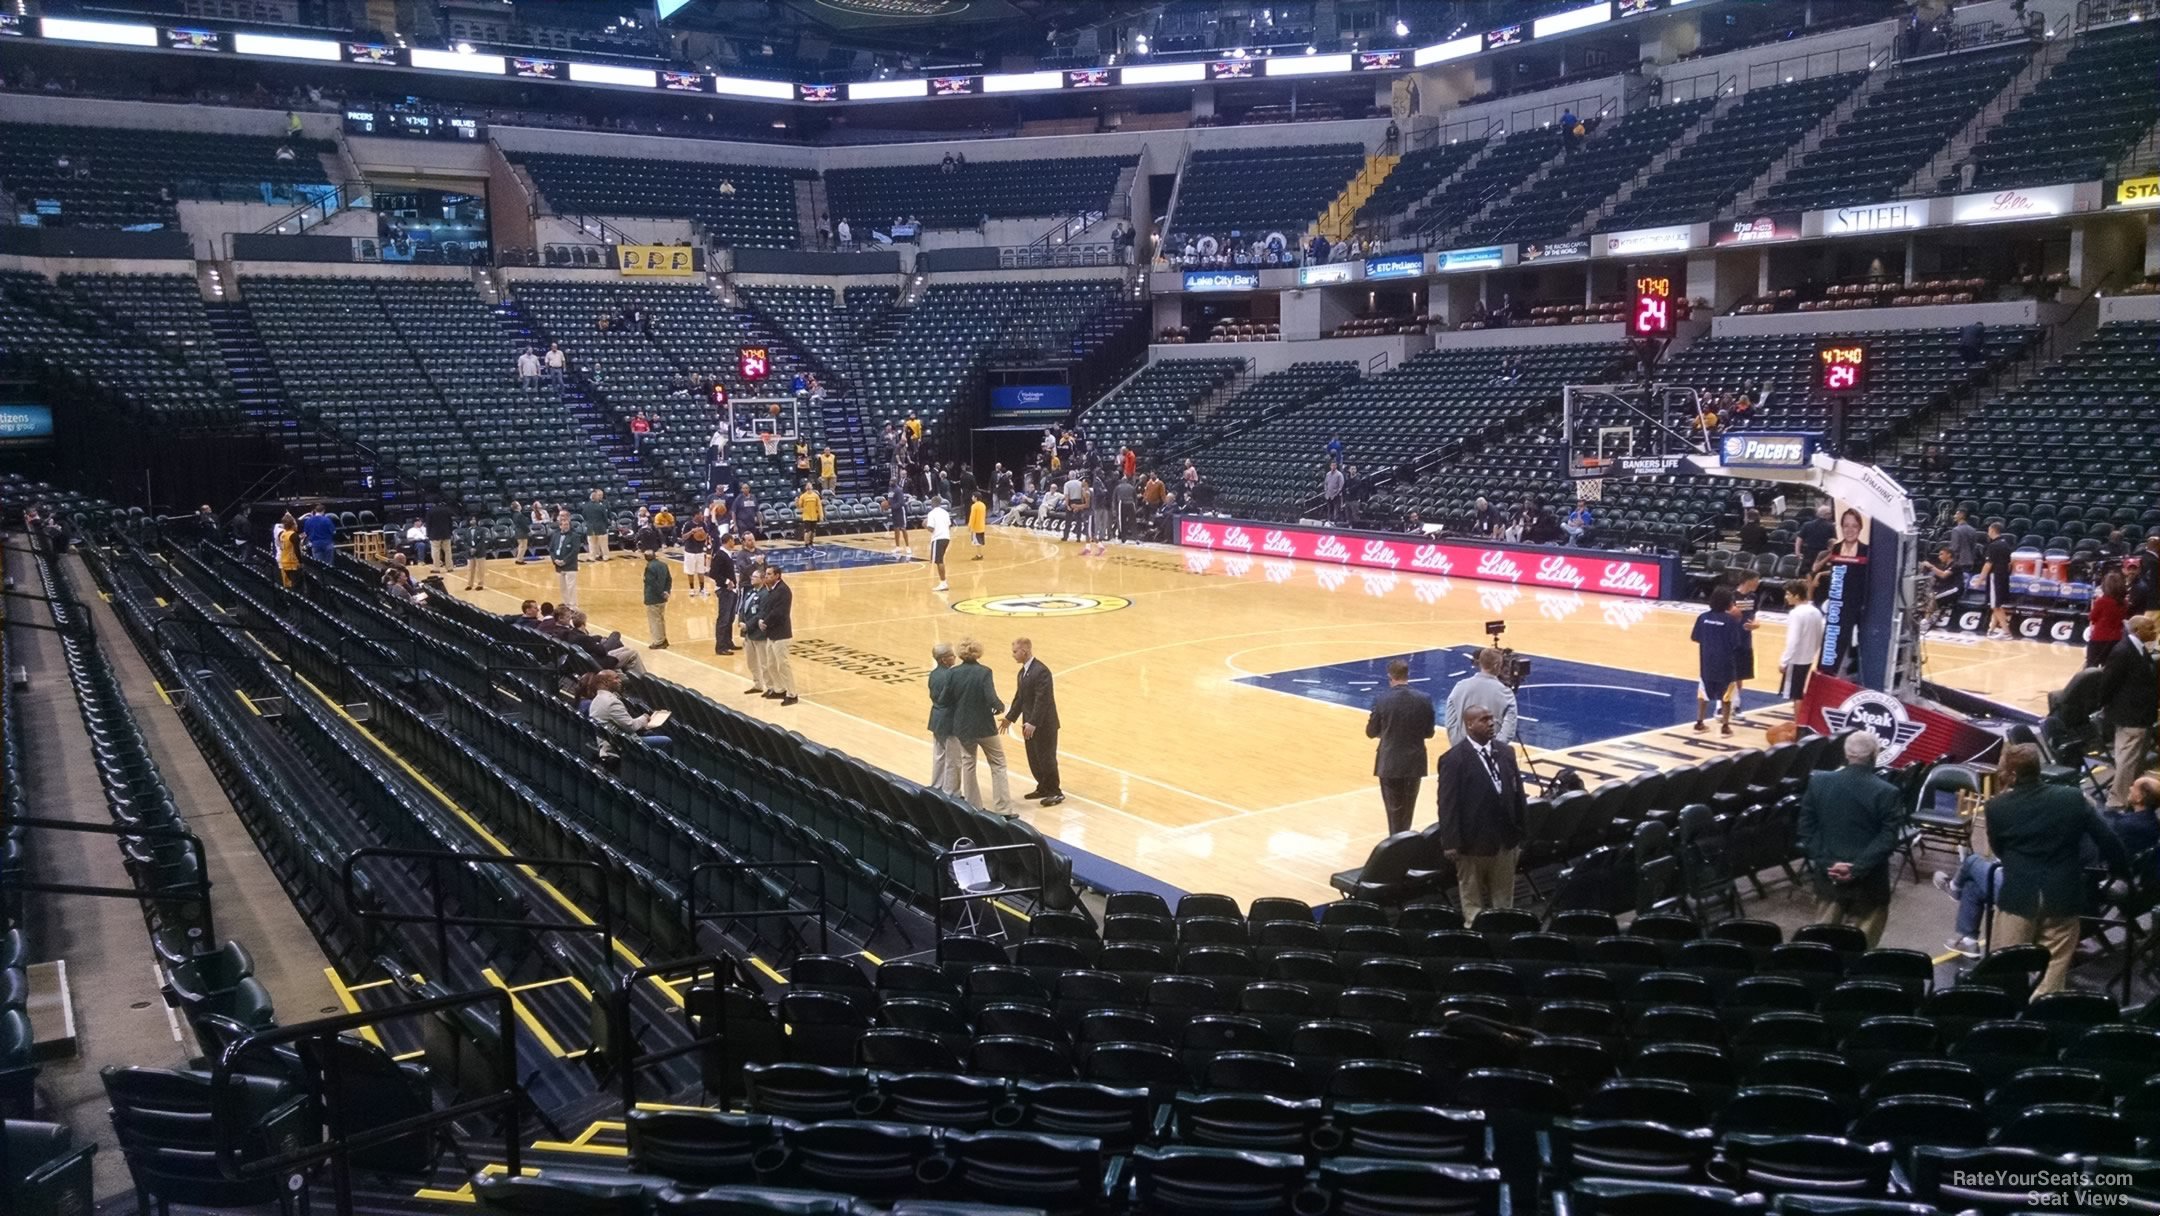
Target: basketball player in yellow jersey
[[811, 510], [978, 525]]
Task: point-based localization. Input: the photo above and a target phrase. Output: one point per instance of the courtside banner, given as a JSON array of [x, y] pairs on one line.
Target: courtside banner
[[1524, 565], [677, 260], [1909, 733]]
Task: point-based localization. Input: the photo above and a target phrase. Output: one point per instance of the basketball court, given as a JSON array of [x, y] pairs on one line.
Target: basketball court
[[1213, 705]]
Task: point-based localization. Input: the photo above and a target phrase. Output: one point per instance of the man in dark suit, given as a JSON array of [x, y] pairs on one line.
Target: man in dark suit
[[774, 627], [2036, 830], [1481, 815], [1848, 826], [1402, 720], [727, 589], [1034, 706], [2129, 701]]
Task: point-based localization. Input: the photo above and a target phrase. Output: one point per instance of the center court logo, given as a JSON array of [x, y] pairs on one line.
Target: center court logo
[[1042, 604]]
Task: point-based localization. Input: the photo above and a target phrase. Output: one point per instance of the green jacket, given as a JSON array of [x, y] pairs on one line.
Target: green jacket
[[595, 515], [2035, 831], [1851, 815], [658, 582], [940, 710], [564, 549], [971, 697]]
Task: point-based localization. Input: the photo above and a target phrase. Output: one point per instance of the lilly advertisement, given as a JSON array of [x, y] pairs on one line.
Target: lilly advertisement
[[1584, 570]]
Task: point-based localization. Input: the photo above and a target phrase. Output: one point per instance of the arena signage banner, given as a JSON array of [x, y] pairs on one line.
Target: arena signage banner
[[1585, 570], [1488, 257], [1325, 273], [1910, 734], [1222, 280], [656, 260], [1768, 450], [2136, 192], [1757, 230], [2028, 203], [1878, 217], [1674, 239], [1395, 266], [1555, 251], [25, 424]]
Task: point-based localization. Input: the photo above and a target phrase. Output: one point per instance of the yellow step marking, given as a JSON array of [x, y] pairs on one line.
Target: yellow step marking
[[766, 967], [571, 980], [163, 695], [1009, 910], [352, 1003], [247, 701], [875, 961], [464, 1193], [532, 1021]]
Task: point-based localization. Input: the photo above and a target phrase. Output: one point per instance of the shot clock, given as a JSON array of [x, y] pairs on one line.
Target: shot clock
[[753, 363], [1651, 314], [1843, 366]]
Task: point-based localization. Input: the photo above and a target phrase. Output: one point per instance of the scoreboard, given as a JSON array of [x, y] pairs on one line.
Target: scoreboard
[[1650, 313]]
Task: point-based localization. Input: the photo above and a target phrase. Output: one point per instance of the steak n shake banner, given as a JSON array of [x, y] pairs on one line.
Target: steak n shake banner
[[1909, 733], [1589, 570]]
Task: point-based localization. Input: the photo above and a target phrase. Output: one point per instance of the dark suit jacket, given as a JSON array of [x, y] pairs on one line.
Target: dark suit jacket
[[971, 696], [940, 701], [1851, 814], [1402, 720], [1034, 698], [775, 613], [2035, 830], [1475, 818], [2129, 687]]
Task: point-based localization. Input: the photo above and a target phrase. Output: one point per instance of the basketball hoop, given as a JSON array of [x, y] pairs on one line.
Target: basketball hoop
[[771, 442], [1589, 489]]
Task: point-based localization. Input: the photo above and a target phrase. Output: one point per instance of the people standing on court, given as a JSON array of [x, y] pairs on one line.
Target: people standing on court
[[1034, 706], [2037, 830], [1995, 561], [441, 532], [944, 749], [1075, 517], [696, 559], [1482, 688], [563, 550], [770, 627], [1965, 546], [1804, 627], [939, 523], [978, 523], [728, 578], [1100, 490], [1717, 636], [828, 469], [971, 693], [658, 584], [2104, 621], [1848, 829], [1127, 499], [809, 512], [1402, 720], [2129, 702], [476, 543], [1481, 805], [521, 526], [597, 526]]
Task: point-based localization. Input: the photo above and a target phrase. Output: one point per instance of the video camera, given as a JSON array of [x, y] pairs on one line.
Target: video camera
[[1514, 668]]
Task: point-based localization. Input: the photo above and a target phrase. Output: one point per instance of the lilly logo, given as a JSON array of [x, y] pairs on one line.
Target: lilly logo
[[1430, 590], [1559, 572], [1623, 578], [1278, 572], [1378, 585], [1381, 553], [1330, 549], [1495, 564], [1276, 542], [2010, 202], [1431, 557], [1199, 534], [1199, 563], [1331, 578], [1237, 538], [1497, 599], [1237, 567], [1558, 607], [1625, 615]]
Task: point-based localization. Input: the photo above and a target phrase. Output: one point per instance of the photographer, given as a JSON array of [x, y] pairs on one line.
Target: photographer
[[1484, 690]]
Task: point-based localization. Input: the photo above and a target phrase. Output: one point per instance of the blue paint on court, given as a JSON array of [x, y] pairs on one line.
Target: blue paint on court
[[794, 559], [1562, 704]]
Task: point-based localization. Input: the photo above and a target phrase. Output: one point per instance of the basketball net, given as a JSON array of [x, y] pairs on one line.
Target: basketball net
[[771, 442], [1590, 489]]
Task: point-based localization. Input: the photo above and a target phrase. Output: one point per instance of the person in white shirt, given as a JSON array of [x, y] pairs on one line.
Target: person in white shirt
[[840, 230], [1803, 640], [557, 363], [528, 369], [939, 521]]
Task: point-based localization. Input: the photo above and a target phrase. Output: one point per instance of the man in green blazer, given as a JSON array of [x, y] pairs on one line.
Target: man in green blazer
[[1848, 827], [944, 749], [972, 698], [2035, 830]]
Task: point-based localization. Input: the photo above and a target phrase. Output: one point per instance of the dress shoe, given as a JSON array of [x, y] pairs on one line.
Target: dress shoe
[[774, 694], [789, 700], [1032, 794], [1053, 799], [748, 692], [657, 646], [719, 651]]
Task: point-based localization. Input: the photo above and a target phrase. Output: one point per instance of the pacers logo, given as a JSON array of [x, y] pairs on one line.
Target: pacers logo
[[1043, 604]]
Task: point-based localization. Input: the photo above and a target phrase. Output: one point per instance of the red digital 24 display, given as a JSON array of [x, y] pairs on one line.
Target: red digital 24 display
[[1594, 572], [1652, 313], [753, 363], [1844, 366]]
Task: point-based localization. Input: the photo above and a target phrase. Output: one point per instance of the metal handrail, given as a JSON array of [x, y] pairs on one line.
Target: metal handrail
[[337, 1148], [443, 919], [693, 918], [196, 892], [621, 1049]]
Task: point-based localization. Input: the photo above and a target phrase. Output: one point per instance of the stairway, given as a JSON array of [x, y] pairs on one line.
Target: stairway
[[600, 425], [1628, 188], [1779, 169], [838, 423], [1940, 174], [807, 206], [1341, 215], [268, 411]]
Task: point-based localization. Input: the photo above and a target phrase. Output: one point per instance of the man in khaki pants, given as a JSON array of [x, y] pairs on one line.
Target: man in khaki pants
[[2035, 829], [2129, 700], [769, 625], [1481, 815]]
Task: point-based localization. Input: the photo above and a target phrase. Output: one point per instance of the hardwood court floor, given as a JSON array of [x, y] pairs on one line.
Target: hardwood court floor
[[1174, 762]]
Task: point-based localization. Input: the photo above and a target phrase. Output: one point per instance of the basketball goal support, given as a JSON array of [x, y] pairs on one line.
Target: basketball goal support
[[1652, 428]]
